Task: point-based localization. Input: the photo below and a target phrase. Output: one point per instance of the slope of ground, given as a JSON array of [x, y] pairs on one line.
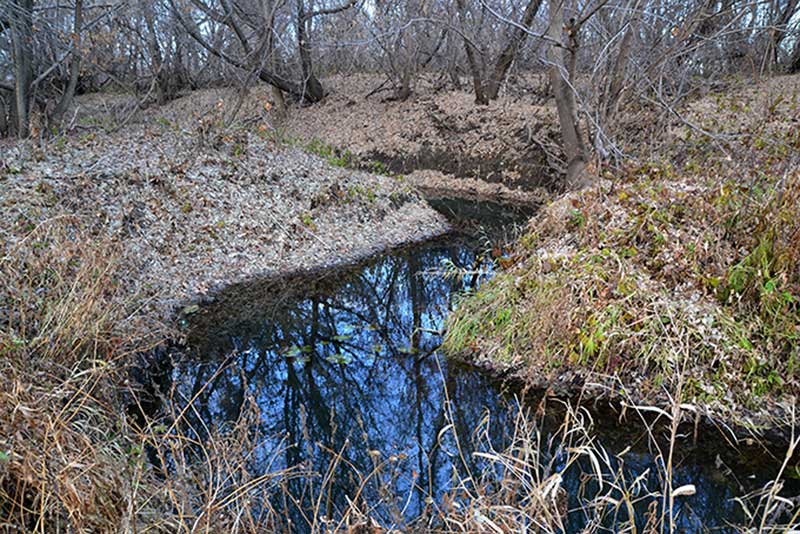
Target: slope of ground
[[439, 139], [679, 274], [511, 141], [191, 214]]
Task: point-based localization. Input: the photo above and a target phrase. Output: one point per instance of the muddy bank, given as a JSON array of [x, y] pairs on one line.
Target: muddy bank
[[513, 141], [434, 184], [622, 421], [526, 173], [762, 435]]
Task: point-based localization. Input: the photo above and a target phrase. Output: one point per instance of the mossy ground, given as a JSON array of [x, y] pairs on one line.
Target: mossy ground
[[678, 272]]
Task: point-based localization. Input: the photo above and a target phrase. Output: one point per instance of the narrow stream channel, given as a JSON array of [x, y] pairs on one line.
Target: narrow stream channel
[[347, 361]]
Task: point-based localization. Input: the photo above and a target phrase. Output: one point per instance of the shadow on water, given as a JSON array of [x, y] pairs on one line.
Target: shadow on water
[[347, 361]]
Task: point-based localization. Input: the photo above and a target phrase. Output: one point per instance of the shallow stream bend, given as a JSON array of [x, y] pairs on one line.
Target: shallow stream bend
[[347, 361]]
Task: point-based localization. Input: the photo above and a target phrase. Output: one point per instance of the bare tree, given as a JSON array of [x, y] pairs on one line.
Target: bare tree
[[21, 23], [487, 84], [75, 63], [248, 54], [410, 36], [517, 37], [780, 26], [562, 59], [599, 55], [242, 58]]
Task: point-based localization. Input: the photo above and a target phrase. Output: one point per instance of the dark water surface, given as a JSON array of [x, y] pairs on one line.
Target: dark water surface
[[347, 361]]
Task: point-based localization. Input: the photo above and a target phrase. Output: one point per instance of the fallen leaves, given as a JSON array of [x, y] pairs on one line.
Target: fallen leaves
[[192, 218]]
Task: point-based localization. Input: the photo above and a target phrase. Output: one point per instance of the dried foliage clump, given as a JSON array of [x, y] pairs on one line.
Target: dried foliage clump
[[73, 455]]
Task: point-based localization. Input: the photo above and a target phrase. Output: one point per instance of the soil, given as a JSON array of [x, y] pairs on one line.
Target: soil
[[507, 150]]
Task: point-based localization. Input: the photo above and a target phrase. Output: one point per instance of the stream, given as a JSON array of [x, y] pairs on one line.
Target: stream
[[346, 362]]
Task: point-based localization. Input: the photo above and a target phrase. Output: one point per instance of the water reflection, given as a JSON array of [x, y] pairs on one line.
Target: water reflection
[[349, 363], [354, 359]]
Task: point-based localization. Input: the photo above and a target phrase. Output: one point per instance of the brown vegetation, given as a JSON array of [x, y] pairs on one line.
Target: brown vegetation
[[682, 270], [67, 338]]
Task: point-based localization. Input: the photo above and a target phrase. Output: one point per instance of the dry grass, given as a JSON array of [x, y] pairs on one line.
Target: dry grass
[[528, 496], [74, 462], [210, 480], [71, 459], [65, 343], [701, 242]]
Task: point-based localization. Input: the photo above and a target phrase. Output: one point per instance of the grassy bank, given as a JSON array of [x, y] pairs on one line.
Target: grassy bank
[[677, 275]]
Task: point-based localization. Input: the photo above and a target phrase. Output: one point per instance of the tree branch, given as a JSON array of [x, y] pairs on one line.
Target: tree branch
[[72, 48], [263, 74], [520, 27], [329, 11]]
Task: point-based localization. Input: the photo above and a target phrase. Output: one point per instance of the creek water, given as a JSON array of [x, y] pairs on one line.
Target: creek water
[[347, 361]]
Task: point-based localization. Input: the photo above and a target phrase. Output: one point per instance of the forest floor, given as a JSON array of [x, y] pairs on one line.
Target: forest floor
[[676, 274], [190, 215], [438, 140], [673, 279], [215, 188], [443, 142]]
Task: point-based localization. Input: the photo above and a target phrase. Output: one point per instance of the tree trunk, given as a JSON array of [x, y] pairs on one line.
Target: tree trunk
[[268, 46], [561, 77], [5, 112], [781, 26], [506, 58], [474, 67], [156, 59], [312, 88], [74, 65], [794, 62], [21, 37], [405, 64], [405, 84]]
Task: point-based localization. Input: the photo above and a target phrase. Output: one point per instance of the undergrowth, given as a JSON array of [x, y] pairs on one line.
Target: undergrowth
[[695, 245], [65, 341]]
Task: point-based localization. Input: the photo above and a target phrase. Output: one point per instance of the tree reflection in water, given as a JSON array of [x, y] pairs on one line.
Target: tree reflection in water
[[352, 359], [352, 356]]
